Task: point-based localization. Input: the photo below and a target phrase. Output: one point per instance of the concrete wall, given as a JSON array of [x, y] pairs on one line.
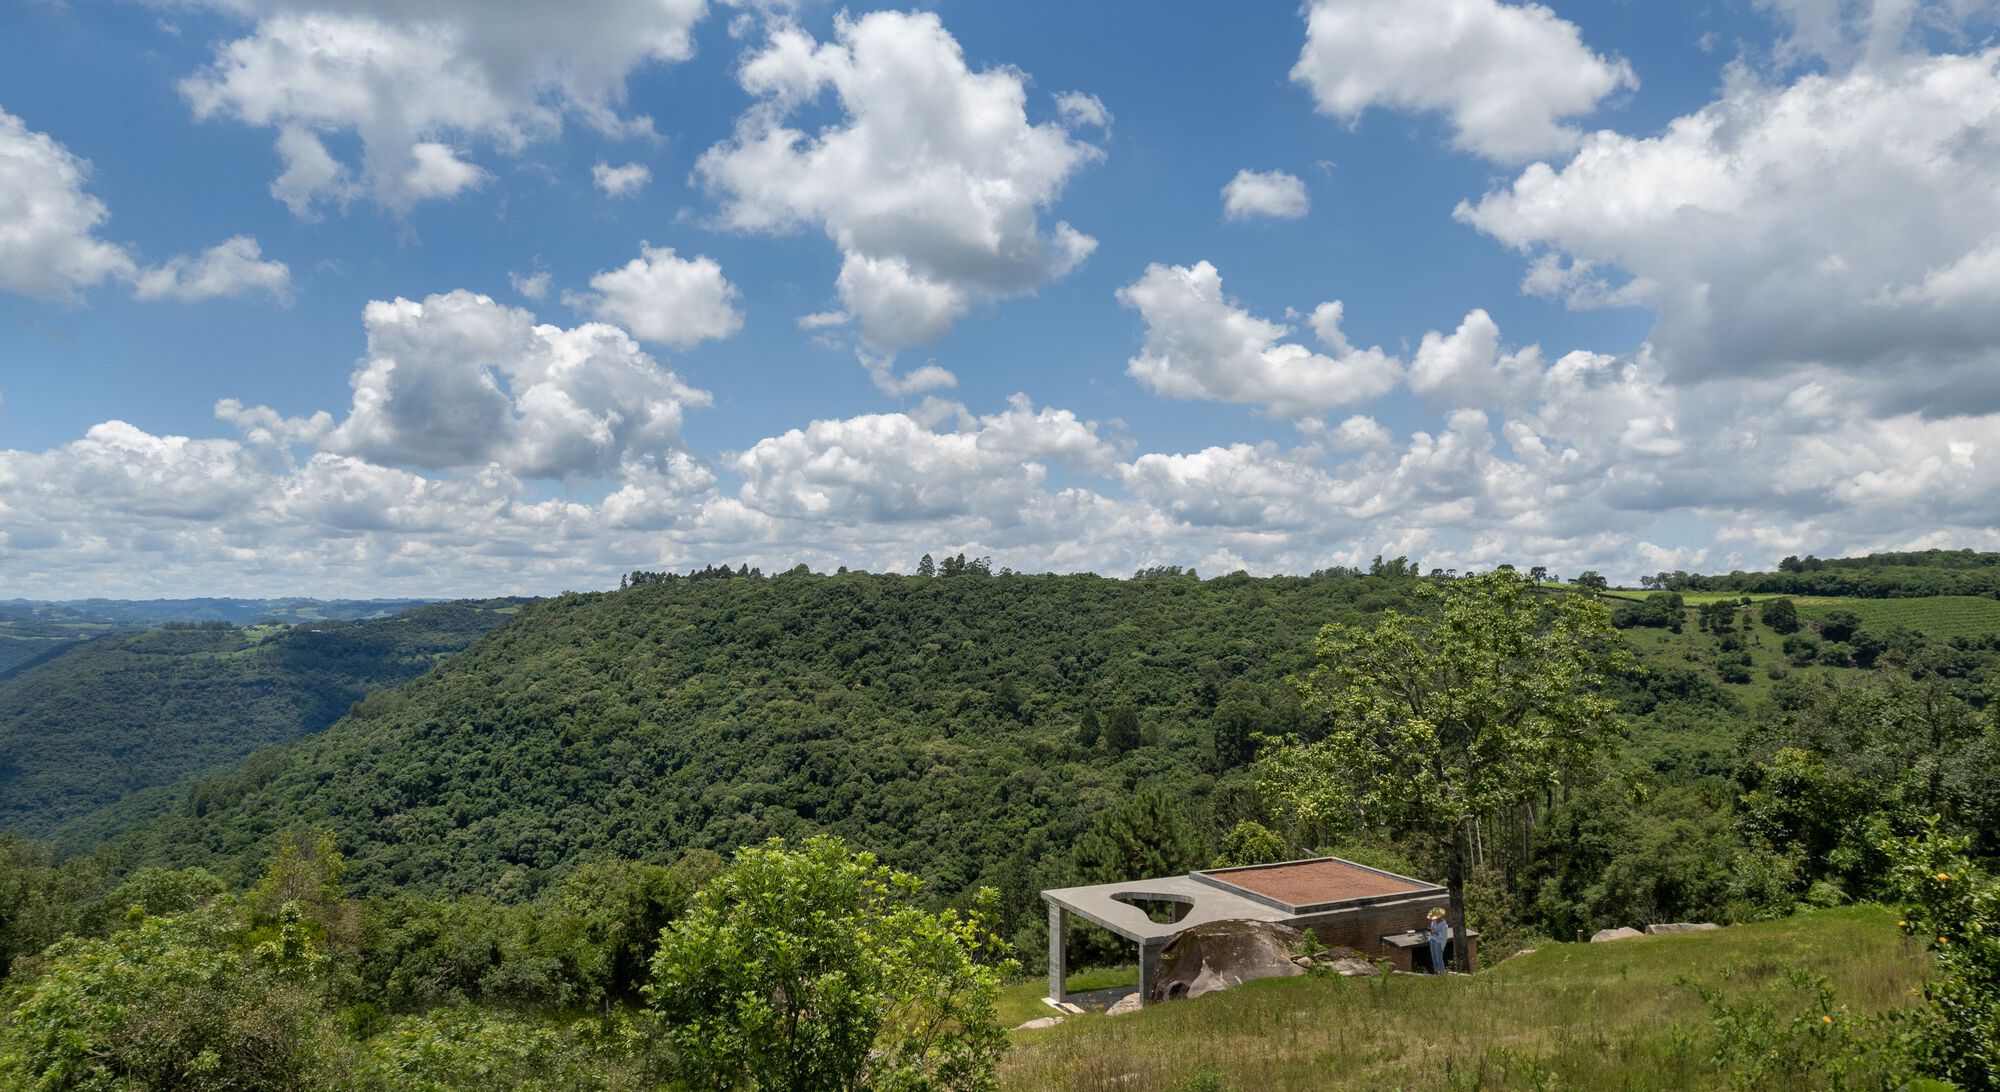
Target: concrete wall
[[1363, 929]]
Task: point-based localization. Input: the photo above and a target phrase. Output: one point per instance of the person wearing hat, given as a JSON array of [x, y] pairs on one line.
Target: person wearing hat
[[1440, 932]]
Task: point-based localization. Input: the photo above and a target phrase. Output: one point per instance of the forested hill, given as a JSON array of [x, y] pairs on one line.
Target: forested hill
[[934, 721], [137, 713], [1874, 576]]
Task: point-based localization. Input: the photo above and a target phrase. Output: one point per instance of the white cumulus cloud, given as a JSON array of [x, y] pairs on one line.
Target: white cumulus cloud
[[1264, 193], [621, 181], [231, 268], [422, 85], [48, 225], [664, 298], [1506, 76], [1847, 219], [1200, 344], [460, 381], [50, 247], [932, 182]]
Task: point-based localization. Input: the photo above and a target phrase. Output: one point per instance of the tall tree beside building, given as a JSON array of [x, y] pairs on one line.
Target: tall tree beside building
[[1465, 710]]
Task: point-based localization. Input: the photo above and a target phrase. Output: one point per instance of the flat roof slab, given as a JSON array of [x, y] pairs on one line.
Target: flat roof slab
[[1281, 893], [1308, 886], [1101, 904]]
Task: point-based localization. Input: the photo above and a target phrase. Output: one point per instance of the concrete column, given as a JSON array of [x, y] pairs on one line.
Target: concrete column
[[1058, 970], [1149, 971]]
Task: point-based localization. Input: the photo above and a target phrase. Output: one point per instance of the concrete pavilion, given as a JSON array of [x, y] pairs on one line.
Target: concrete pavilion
[[1380, 914]]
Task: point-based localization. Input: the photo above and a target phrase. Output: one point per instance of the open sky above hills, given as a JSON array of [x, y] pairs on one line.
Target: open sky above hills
[[326, 297]]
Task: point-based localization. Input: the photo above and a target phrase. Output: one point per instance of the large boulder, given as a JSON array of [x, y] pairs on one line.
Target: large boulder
[[1222, 954], [1681, 927], [1603, 935]]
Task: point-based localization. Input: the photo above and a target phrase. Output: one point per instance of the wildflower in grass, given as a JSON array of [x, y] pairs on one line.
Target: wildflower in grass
[[1944, 876]]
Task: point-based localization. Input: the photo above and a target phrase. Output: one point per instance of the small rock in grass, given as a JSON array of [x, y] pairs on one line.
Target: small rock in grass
[[1128, 1003], [1603, 935], [1039, 1023]]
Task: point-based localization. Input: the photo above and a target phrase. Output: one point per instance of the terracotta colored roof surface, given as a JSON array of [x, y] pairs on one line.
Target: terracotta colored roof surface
[[1309, 883]]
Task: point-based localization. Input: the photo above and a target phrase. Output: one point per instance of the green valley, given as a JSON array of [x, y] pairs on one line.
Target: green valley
[[102, 733]]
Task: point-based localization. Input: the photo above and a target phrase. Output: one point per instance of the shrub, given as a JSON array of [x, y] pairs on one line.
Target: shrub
[[1953, 907], [813, 968], [172, 1004]]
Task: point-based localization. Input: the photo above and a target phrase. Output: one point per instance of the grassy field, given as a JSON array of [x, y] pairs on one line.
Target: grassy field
[[1608, 1016], [1940, 616]]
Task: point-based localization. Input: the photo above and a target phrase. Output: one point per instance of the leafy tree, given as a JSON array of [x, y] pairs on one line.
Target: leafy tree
[[1088, 730], [470, 1050], [1460, 713], [1007, 698], [814, 968], [1590, 581], [1121, 729], [926, 567], [1237, 719], [1782, 615], [172, 1004], [1839, 625], [1249, 843], [1148, 835], [1800, 801]]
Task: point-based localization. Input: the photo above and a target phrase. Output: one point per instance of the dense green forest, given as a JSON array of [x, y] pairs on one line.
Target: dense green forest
[[33, 630], [99, 735], [935, 721], [982, 729], [467, 877]]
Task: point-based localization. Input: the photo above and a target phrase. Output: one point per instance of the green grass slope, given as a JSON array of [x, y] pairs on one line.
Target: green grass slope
[[1613, 1016], [137, 713]]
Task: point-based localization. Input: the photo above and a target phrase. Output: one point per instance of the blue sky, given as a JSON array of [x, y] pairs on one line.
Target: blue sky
[[1653, 286]]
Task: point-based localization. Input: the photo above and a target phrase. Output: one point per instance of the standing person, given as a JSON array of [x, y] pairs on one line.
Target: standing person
[[1440, 932]]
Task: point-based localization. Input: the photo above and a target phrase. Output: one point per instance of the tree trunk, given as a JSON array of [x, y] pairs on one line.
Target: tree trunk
[[1454, 885]]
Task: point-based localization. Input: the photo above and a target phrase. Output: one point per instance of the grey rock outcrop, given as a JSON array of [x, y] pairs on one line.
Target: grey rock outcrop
[[1681, 927], [1604, 935], [1222, 954]]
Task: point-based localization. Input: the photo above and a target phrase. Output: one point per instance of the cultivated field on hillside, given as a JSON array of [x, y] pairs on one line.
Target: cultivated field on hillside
[[1938, 616]]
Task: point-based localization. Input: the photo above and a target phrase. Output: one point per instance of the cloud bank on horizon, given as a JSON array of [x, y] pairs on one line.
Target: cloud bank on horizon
[[1193, 363]]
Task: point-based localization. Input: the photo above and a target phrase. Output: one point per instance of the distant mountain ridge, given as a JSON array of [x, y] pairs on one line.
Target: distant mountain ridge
[[115, 721], [151, 612]]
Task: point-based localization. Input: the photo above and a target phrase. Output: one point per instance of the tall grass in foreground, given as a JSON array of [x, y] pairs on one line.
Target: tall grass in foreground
[[1627, 1015]]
